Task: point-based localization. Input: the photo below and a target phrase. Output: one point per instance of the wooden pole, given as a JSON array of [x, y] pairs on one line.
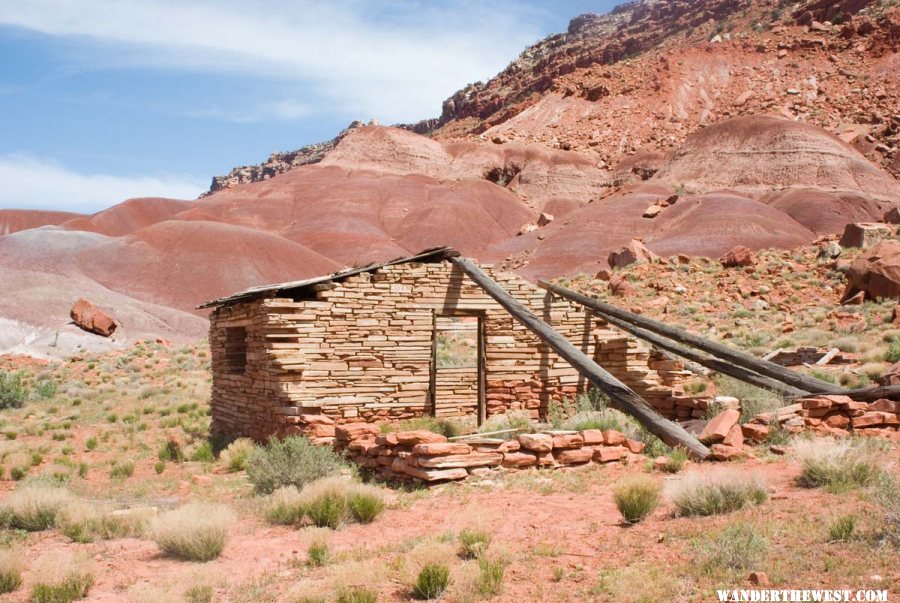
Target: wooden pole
[[742, 359], [870, 394], [740, 373], [628, 401]]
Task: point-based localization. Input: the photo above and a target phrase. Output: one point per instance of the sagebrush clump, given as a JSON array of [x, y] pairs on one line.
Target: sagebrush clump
[[837, 465], [34, 507], [61, 577], [293, 461]]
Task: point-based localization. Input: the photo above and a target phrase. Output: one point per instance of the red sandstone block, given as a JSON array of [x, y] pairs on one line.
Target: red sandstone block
[[573, 456], [608, 454], [574, 440], [519, 459], [611, 437], [441, 448], [592, 437], [421, 436]]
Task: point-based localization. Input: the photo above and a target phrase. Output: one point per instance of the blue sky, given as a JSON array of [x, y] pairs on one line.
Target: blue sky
[[102, 100]]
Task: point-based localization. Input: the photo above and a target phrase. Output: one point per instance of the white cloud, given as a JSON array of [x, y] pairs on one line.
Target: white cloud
[[39, 183], [391, 59]]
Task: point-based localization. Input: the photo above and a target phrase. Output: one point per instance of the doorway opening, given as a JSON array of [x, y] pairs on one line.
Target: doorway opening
[[457, 381]]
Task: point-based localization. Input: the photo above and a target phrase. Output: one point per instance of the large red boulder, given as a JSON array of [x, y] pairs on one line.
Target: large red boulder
[[876, 273], [738, 256], [92, 319], [634, 251]]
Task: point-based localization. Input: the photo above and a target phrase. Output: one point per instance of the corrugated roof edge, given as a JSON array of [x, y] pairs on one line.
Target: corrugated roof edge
[[432, 254]]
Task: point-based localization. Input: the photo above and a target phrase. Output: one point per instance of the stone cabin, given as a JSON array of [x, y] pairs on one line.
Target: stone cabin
[[363, 344]]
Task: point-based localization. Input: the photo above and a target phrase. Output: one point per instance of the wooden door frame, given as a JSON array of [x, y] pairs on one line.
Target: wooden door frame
[[481, 368]]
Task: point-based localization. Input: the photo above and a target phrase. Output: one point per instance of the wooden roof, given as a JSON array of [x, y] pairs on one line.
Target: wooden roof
[[435, 254]]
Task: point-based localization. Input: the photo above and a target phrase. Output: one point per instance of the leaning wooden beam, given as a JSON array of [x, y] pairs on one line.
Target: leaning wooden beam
[[870, 394], [627, 400], [715, 364], [742, 359]]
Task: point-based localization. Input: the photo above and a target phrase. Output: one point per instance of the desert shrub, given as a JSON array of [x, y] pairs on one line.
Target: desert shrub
[[90, 444], [318, 554], [836, 465], [13, 392], [204, 453], [11, 564], [122, 470], [291, 461], [171, 451], [893, 352], [490, 576], [357, 594], [738, 546], [717, 493], [85, 522], [326, 509], [365, 505], [675, 461], [432, 581], [285, 506], [159, 467], [194, 532], [235, 454], [61, 578], [637, 497], [44, 389], [886, 495], [34, 507], [473, 543], [199, 593], [754, 400], [842, 528]]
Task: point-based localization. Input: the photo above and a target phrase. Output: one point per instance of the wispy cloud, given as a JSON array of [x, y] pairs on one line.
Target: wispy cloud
[[32, 182], [391, 59]]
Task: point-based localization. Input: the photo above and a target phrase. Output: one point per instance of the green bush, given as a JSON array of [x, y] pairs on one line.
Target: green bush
[[893, 353], [318, 554], [326, 510], [365, 506], [474, 543], [637, 497], [717, 493], [204, 453], [842, 528], [293, 461], [171, 452], [72, 588], [490, 576], [432, 581], [886, 496], [13, 392], [675, 461]]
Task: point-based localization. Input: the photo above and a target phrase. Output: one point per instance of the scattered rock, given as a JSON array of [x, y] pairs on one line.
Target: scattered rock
[[633, 252], [864, 235], [92, 319], [545, 219], [739, 256], [719, 426]]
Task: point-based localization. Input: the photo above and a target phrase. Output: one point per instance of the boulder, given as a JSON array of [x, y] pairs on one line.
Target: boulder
[[719, 426], [739, 256], [892, 216], [92, 319], [864, 234], [519, 459], [876, 273], [545, 219], [633, 252], [757, 433], [611, 437]]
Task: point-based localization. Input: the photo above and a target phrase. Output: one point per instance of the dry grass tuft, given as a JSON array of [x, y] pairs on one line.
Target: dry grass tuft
[[715, 493], [285, 506], [11, 564], [86, 522], [839, 465], [194, 532], [61, 577], [34, 507], [234, 457]]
